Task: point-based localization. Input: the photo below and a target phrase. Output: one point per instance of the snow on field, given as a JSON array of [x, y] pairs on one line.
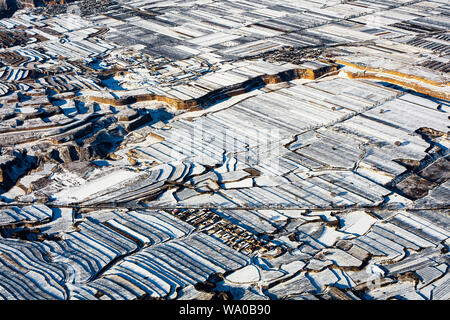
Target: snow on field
[[330, 236], [87, 189]]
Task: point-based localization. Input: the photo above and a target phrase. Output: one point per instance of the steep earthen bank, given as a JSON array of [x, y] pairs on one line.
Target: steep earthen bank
[[224, 92]]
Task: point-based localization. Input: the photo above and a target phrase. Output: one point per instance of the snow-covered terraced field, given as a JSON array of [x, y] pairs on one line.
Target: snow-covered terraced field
[[204, 149]]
